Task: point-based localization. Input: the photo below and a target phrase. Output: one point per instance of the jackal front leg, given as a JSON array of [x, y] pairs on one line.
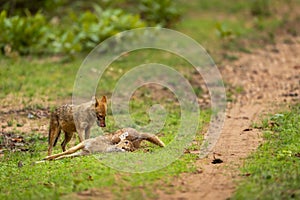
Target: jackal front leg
[[87, 132], [82, 131]]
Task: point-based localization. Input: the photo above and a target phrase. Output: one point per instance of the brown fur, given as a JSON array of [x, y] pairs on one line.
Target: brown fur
[[84, 115], [109, 143]]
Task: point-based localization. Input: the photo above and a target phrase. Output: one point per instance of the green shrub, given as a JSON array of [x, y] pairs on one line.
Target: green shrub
[[33, 34], [16, 7], [23, 34], [261, 8], [163, 12], [89, 29], [223, 31], [79, 31], [154, 12]]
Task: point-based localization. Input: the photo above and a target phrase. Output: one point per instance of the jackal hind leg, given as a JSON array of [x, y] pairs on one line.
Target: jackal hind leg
[[54, 132], [68, 137]]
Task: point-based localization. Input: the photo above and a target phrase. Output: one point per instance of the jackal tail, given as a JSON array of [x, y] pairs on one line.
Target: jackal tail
[[54, 130]]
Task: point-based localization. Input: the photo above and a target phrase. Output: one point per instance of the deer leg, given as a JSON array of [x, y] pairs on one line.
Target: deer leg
[[76, 154], [69, 151]]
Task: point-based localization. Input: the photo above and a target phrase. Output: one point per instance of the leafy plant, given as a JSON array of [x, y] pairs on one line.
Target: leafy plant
[[33, 34], [163, 12], [92, 28], [23, 34], [261, 8], [223, 31], [16, 7]]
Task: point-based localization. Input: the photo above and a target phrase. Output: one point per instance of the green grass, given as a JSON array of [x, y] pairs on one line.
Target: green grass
[[51, 180], [34, 82], [231, 25], [54, 179], [273, 172], [37, 78]]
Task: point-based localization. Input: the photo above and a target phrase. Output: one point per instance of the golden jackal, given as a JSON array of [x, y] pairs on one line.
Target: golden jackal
[[83, 115], [126, 139]]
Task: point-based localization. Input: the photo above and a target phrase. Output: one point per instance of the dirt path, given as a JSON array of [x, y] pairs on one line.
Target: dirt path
[[269, 78]]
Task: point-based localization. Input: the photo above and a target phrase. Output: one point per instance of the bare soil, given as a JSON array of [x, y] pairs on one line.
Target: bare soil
[[270, 78]]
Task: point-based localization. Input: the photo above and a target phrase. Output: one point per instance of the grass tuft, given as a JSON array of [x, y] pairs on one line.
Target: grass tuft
[[273, 172]]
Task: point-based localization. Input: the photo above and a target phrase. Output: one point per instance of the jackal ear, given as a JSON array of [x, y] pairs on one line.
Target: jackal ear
[[96, 102], [103, 100]]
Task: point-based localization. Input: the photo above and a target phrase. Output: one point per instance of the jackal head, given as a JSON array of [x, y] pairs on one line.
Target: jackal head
[[126, 145], [100, 108]]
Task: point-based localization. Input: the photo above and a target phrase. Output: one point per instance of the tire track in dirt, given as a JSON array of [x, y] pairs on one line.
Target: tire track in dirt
[[270, 78]]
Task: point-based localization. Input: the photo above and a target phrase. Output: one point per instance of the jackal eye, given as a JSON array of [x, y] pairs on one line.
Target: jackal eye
[[100, 117]]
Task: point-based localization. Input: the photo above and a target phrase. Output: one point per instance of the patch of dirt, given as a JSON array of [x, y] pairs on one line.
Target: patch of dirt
[[12, 142], [26, 115], [24, 120], [270, 78], [164, 95], [91, 194]]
